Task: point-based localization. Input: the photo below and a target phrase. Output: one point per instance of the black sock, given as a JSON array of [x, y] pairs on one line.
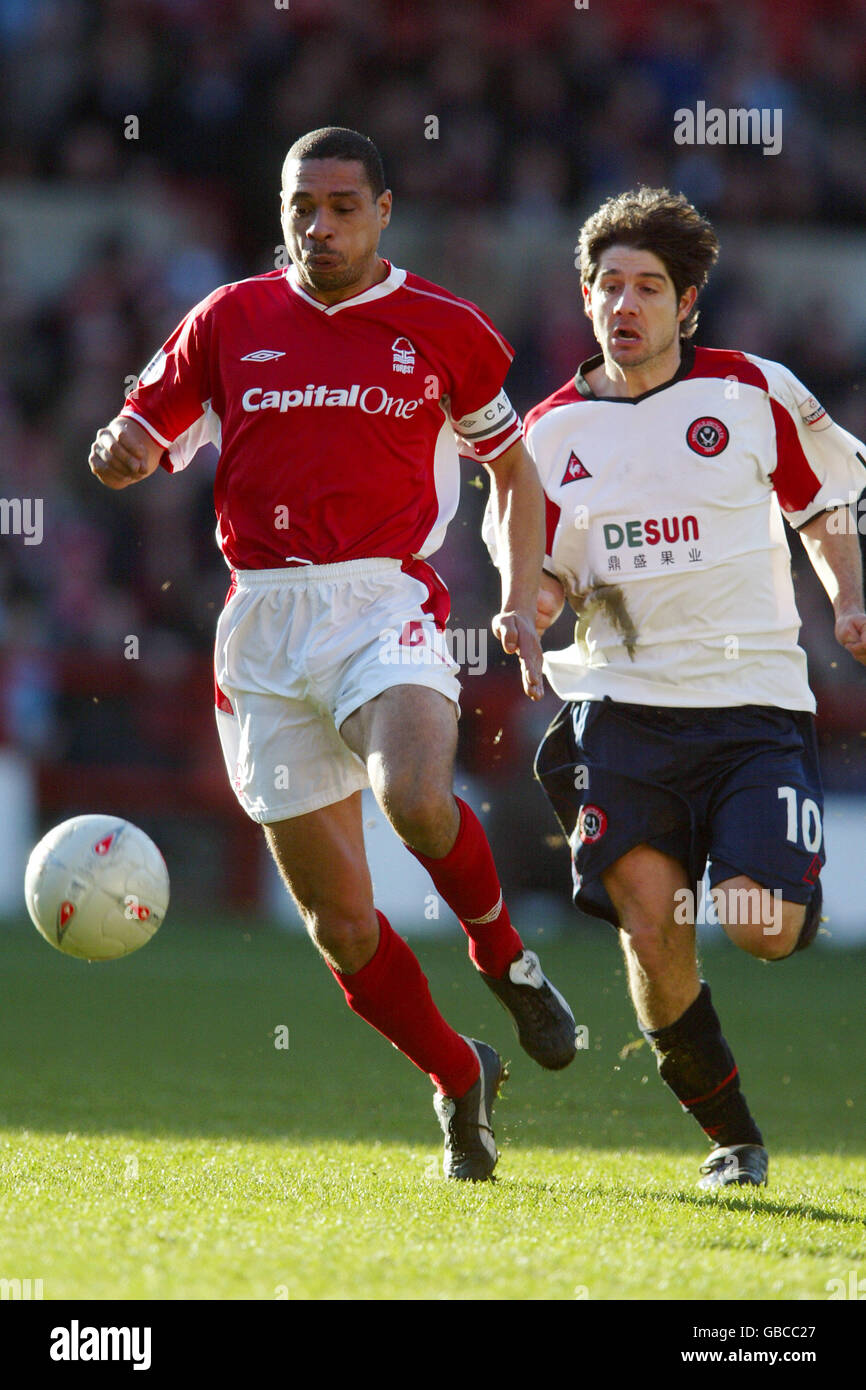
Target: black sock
[[696, 1063]]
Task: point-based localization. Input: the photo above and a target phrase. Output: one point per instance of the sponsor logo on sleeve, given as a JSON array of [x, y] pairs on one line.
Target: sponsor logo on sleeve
[[813, 414]]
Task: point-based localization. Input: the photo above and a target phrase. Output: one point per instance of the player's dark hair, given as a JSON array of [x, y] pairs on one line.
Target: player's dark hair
[[337, 142], [653, 219]]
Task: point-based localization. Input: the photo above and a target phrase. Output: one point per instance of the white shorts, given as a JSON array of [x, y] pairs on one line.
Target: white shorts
[[297, 651]]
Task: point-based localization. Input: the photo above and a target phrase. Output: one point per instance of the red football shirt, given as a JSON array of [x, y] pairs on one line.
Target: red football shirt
[[337, 426]]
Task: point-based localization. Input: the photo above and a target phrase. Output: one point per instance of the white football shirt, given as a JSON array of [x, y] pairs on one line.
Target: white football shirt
[[664, 525]]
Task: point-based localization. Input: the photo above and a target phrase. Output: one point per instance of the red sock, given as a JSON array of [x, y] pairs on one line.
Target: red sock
[[392, 994], [467, 879]]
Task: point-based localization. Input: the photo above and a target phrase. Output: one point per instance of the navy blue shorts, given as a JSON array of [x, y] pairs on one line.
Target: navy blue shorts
[[738, 787]]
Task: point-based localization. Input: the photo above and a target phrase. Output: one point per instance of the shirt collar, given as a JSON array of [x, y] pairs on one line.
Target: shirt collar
[[393, 280], [687, 362]]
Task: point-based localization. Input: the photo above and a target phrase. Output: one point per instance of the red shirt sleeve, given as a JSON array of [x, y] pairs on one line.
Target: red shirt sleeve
[[484, 419], [172, 392], [486, 359]]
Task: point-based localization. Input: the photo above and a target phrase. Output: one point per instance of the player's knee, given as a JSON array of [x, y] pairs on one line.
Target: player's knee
[[422, 812], [646, 937], [773, 936], [342, 933], [758, 919]]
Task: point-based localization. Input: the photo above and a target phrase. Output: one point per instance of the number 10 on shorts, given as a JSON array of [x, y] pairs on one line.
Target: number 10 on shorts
[[808, 822]]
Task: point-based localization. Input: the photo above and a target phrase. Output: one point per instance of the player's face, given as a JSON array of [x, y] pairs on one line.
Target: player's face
[[634, 307], [332, 224]]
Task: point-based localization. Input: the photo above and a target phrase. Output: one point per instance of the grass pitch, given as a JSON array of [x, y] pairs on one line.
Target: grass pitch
[[157, 1143]]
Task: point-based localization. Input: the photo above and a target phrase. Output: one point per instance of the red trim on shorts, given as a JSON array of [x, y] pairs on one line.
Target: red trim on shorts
[[698, 1099], [438, 601], [221, 700]]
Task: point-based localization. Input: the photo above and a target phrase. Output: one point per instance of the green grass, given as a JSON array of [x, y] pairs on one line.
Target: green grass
[[154, 1143]]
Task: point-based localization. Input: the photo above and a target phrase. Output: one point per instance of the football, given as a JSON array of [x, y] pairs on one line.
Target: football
[[96, 887]]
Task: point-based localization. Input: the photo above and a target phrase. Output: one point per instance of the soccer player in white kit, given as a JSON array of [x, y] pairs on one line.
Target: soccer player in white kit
[[334, 391], [687, 734]]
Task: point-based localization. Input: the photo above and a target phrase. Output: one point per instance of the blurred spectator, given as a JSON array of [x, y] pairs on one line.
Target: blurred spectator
[[501, 125]]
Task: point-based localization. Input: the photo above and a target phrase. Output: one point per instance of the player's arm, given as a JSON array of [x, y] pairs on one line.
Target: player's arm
[[123, 453], [518, 511], [817, 463], [834, 551]]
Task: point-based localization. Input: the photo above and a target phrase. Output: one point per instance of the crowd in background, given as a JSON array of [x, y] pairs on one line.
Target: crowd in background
[[542, 104], [541, 109]]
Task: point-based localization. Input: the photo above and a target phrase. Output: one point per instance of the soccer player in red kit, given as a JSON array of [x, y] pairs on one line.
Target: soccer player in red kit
[[334, 391]]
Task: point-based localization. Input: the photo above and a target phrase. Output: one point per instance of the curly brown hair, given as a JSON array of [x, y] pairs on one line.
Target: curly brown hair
[[653, 219]]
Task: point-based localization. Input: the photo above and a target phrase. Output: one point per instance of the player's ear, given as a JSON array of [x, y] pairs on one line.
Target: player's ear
[[687, 303], [383, 203], [586, 291]]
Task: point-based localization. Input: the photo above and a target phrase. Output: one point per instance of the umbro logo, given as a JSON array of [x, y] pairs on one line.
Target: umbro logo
[[263, 355]]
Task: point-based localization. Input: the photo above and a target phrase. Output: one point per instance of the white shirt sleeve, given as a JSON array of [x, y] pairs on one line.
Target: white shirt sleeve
[[818, 464]]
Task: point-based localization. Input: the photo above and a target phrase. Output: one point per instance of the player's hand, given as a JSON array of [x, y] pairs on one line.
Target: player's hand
[[123, 453], [516, 632], [851, 633]]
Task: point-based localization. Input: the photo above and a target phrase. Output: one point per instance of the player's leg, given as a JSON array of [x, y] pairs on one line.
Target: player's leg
[[675, 1010], [659, 951], [323, 864], [757, 919], [407, 735], [767, 839], [638, 855], [293, 773], [321, 858]]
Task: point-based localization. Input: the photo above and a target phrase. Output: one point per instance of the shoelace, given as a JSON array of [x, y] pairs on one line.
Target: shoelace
[[462, 1143]]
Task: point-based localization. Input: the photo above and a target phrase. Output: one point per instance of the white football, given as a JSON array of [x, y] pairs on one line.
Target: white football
[[96, 887]]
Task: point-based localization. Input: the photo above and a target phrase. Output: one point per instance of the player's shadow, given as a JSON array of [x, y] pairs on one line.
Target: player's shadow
[[755, 1202], [576, 1194]]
